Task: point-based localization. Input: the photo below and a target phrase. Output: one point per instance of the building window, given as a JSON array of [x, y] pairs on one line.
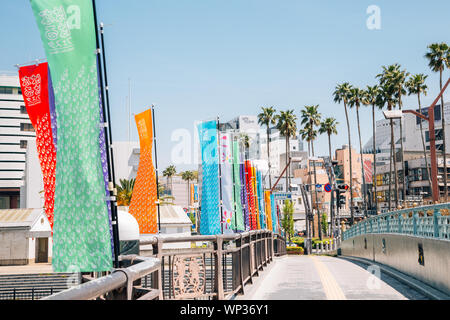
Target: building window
[[23, 144], [23, 110], [6, 90], [26, 127]]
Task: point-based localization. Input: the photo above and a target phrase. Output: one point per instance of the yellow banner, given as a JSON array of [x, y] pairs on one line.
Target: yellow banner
[[143, 201]]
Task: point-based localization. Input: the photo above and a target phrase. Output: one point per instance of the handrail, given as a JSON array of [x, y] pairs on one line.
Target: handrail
[[252, 249], [430, 221], [113, 281]]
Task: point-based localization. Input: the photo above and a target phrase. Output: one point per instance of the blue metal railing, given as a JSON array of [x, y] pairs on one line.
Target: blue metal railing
[[432, 221]]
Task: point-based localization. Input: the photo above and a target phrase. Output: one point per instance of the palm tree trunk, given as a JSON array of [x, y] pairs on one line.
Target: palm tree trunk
[[319, 223], [423, 142], [352, 219], [329, 146], [287, 169], [268, 157], [189, 195], [311, 189], [374, 177], [331, 196], [363, 178], [289, 166], [443, 139], [403, 154], [394, 159], [390, 176]]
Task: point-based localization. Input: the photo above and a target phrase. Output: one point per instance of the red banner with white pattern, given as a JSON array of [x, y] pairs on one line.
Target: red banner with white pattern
[[34, 85]]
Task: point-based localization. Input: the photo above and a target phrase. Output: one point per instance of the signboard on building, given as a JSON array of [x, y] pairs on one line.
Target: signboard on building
[[282, 196]]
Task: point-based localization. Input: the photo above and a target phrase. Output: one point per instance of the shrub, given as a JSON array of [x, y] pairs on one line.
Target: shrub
[[295, 250]]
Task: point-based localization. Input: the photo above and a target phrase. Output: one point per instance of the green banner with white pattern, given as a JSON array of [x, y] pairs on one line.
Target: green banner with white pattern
[[81, 238]]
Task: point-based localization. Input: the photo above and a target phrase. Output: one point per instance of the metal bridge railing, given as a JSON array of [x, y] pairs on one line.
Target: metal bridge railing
[[219, 268], [120, 284], [432, 221]]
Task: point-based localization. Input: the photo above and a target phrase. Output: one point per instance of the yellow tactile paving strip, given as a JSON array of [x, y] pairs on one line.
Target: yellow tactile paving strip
[[332, 289]]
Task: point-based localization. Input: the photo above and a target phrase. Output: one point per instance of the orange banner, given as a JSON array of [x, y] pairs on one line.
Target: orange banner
[[143, 201]]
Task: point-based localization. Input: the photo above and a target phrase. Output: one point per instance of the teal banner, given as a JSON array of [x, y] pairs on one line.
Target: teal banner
[[210, 215], [81, 239]]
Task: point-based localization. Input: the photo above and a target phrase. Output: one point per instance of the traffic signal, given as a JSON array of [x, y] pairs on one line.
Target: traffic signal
[[343, 187], [341, 199]]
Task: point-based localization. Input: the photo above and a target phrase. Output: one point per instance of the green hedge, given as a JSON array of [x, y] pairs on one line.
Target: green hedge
[[295, 250]]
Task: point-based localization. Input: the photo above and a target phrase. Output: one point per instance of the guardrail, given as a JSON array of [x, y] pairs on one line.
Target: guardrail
[[432, 221], [121, 284], [219, 268]]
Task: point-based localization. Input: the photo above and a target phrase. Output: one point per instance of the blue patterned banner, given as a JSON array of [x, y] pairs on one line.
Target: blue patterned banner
[[274, 214], [210, 211]]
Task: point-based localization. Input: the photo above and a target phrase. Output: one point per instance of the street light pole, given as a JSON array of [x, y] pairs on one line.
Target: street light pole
[[430, 119]]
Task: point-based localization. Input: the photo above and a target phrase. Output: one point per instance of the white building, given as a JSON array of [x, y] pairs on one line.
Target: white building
[[25, 237], [126, 159], [16, 131]]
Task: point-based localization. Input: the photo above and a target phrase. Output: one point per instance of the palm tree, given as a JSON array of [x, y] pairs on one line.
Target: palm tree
[[125, 191], [286, 124], [329, 126], [416, 85], [310, 117], [371, 97], [341, 94], [438, 59], [169, 172], [188, 176], [354, 100], [268, 117]]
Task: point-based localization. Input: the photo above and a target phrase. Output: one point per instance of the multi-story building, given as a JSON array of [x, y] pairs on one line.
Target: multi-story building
[[412, 146], [15, 132]]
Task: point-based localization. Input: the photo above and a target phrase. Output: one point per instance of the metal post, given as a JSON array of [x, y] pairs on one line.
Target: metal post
[[220, 177], [108, 142], [218, 280], [156, 166], [434, 182]]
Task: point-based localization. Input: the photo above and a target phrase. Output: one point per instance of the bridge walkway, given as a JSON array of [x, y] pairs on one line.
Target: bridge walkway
[[325, 278]]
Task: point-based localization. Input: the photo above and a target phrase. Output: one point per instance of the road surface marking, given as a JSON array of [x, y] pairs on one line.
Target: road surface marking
[[332, 290]]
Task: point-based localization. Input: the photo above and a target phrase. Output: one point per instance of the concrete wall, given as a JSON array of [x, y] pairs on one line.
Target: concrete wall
[[13, 247], [401, 252]]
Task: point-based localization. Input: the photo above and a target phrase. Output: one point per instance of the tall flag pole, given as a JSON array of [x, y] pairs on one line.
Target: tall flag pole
[[112, 204], [156, 167], [220, 178], [234, 183]]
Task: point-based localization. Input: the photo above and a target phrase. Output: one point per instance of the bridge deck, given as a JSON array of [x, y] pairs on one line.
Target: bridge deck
[[322, 278]]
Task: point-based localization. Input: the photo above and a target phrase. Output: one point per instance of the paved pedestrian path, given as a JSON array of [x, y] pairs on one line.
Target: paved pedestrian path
[[324, 278], [27, 269]]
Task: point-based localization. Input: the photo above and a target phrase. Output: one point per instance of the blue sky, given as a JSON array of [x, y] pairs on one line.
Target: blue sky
[[197, 59]]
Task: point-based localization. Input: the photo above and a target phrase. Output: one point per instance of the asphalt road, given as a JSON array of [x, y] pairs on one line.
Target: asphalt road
[[326, 278]]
